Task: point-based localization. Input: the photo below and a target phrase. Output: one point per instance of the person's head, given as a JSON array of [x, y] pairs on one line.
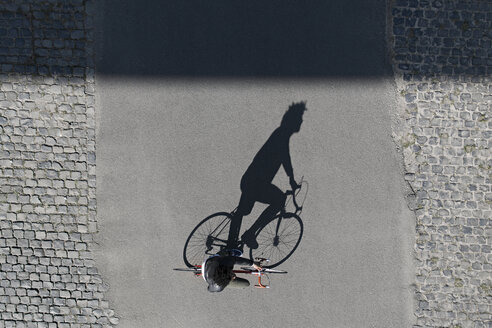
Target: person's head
[[222, 278], [292, 118]]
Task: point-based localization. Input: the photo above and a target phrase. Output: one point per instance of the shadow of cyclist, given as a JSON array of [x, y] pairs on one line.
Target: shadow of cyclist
[[256, 183]]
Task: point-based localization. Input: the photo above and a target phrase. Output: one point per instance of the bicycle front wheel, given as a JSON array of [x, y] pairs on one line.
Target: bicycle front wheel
[[278, 239], [195, 270], [274, 271], [207, 238]]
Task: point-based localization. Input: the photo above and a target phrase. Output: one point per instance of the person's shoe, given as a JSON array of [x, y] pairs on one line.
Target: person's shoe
[[249, 239]]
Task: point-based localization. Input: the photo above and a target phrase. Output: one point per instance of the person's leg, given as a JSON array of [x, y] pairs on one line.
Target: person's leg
[[244, 208], [238, 283], [267, 194]]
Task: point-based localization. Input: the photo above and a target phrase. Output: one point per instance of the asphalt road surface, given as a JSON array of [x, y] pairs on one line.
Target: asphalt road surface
[[174, 138]]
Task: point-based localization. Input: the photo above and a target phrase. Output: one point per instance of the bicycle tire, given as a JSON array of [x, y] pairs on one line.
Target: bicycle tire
[[207, 238], [188, 269], [278, 250]]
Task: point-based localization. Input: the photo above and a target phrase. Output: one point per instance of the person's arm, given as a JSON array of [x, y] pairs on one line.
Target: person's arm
[[242, 261], [232, 260], [286, 161], [245, 261], [287, 164]]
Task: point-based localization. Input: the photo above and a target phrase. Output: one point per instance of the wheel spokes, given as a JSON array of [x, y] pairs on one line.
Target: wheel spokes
[[278, 246], [208, 238]]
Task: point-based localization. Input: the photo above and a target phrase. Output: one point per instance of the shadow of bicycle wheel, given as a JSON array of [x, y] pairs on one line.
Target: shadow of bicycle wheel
[[278, 239]]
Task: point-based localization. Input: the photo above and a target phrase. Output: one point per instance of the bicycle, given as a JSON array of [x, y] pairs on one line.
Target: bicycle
[[262, 273], [277, 239]]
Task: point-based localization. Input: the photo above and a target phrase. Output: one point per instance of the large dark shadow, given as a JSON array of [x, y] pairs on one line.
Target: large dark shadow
[[228, 38], [40, 38], [441, 38], [235, 38], [277, 232]]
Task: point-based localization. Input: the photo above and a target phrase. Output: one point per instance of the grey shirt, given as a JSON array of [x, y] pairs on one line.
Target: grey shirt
[[213, 265]]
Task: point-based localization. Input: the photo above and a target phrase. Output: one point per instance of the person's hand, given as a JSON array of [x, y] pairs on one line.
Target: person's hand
[[293, 184], [257, 266]]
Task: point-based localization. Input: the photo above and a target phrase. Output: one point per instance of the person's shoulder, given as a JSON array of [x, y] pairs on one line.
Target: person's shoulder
[[277, 134], [212, 260], [277, 138], [227, 259]]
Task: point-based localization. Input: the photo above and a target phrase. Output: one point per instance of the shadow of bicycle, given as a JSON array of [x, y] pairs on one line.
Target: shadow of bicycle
[[277, 238]]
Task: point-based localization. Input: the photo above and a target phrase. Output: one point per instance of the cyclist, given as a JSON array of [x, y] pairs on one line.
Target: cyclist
[[217, 271], [256, 183]]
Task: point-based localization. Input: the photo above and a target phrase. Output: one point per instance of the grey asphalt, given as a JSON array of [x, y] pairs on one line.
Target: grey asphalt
[[173, 145]]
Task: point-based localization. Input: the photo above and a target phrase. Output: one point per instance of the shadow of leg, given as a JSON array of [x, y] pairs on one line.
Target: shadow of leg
[[266, 216], [233, 237]]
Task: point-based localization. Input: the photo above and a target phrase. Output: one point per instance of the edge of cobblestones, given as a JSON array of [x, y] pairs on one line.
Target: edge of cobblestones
[[441, 112], [396, 114]]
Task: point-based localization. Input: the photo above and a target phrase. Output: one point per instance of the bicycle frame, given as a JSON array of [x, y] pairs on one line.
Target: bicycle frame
[[257, 273], [210, 240], [294, 194], [236, 224], [220, 232]]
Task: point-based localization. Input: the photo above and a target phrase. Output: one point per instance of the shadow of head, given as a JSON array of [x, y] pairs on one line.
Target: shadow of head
[[292, 119]]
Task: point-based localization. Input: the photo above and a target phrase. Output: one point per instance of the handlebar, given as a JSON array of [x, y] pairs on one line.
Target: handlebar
[[261, 273], [294, 194]]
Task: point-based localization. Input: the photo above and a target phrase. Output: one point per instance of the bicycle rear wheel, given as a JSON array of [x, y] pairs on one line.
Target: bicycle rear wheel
[[278, 239], [208, 238]]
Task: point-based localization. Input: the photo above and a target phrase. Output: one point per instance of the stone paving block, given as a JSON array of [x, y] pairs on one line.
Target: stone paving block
[[443, 77], [47, 122], [441, 57]]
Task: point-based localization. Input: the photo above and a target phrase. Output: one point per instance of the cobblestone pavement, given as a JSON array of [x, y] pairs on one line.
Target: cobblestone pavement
[[48, 277], [442, 57]]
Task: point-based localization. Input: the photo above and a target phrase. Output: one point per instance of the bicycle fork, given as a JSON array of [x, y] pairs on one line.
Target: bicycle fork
[[276, 239]]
